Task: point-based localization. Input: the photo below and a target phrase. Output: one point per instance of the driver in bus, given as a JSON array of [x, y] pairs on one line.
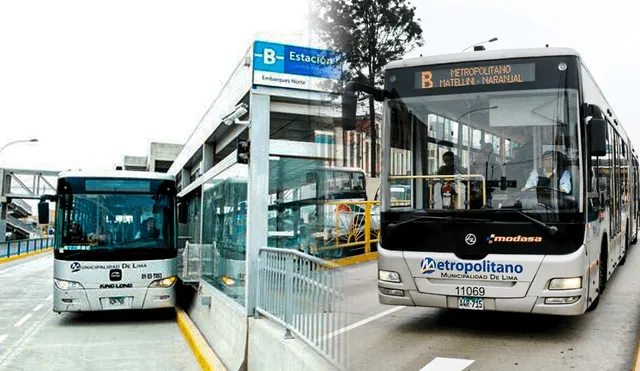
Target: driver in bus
[[451, 166], [75, 233], [550, 169], [148, 227]]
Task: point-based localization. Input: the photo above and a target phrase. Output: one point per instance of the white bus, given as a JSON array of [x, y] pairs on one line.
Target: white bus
[[523, 183], [115, 241]]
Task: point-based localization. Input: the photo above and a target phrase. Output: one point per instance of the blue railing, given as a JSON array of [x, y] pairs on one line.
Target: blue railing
[[17, 247]]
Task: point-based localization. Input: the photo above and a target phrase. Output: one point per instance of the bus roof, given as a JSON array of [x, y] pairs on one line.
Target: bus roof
[[481, 56], [118, 174]]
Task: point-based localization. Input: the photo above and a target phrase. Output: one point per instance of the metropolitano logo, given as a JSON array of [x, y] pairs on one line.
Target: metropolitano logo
[[524, 239], [427, 266]]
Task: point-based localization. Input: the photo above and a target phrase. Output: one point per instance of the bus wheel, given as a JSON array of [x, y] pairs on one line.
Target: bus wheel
[[602, 275], [626, 248]]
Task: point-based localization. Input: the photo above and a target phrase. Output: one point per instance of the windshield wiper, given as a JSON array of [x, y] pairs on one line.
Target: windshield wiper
[[551, 229], [392, 226]]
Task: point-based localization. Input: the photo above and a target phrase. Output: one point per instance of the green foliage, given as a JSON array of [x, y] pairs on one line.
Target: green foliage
[[372, 33]]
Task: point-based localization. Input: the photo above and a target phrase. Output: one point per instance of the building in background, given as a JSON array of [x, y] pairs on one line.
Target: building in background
[[159, 158]]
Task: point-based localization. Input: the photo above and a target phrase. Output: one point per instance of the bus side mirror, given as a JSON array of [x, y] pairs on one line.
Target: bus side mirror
[[182, 213], [349, 105], [43, 212], [597, 136]]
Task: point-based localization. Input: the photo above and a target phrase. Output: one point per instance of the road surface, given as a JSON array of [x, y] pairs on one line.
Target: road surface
[[32, 337], [407, 338]]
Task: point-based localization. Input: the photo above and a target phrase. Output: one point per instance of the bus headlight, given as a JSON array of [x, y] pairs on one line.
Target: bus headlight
[[565, 283], [388, 276], [67, 285], [164, 283]]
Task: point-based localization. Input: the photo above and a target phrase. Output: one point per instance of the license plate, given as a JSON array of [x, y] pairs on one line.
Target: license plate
[[116, 301], [471, 303]]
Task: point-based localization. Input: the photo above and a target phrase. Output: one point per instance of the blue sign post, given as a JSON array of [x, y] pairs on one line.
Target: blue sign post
[[296, 67]]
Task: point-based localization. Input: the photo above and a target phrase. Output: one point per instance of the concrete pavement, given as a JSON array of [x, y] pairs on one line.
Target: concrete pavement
[[426, 339], [32, 337]]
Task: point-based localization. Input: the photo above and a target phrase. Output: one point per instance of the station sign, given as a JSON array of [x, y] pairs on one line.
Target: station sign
[[296, 67]]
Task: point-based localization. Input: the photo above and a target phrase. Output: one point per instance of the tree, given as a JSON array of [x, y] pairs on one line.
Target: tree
[[372, 33]]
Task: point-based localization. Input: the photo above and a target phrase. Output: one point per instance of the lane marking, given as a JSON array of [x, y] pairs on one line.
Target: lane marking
[[10, 354], [3, 338], [49, 297], [22, 320], [38, 307], [363, 322], [447, 364]]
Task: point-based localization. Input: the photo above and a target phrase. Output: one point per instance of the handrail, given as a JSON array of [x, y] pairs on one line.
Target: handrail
[[295, 291]]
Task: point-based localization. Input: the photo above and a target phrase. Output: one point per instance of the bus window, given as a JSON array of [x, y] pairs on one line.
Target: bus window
[[357, 183]]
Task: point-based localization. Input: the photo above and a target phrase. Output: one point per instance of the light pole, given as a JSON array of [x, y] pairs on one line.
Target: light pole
[[18, 141], [487, 41]]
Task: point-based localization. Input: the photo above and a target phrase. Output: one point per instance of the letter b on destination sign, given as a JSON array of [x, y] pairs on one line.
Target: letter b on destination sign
[[269, 56]]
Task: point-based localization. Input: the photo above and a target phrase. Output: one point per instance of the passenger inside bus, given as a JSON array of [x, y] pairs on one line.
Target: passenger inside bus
[[519, 168], [485, 164]]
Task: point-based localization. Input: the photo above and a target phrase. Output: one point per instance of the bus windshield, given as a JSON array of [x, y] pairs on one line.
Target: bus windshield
[[114, 222], [512, 148]]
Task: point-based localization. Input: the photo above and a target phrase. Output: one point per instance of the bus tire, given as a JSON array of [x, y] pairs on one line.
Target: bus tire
[[626, 247], [602, 274]]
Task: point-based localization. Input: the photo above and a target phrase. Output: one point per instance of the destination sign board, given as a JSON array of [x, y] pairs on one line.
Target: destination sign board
[[476, 75]]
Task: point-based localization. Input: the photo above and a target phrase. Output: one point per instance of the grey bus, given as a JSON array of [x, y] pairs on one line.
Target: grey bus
[[523, 184]]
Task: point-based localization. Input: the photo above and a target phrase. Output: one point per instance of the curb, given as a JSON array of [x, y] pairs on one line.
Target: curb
[[206, 357], [356, 259], [636, 359], [22, 256]]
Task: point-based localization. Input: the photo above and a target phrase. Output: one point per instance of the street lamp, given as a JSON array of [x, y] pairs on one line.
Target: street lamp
[[487, 41], [18, 141]]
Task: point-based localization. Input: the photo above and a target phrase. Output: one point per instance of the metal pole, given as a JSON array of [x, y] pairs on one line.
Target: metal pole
[[257, 191]]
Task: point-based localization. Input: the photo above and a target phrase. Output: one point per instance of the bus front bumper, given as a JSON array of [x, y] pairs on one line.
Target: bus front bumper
[[527, 304], [83, 300]]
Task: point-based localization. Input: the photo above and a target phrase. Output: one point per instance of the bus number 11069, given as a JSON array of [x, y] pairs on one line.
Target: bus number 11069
[[470, 291]]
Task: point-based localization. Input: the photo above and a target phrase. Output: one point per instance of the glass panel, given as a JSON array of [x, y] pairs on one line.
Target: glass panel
[[298, 189], [524, 149], [224, 231]]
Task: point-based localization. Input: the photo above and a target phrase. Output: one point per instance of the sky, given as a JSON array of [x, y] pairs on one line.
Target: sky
[[94, 81]]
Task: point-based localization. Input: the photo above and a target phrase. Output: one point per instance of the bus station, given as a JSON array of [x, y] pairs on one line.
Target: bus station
[[252, 176]]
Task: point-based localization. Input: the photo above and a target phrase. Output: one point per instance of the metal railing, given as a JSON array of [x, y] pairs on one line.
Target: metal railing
[[354, 225], [17, 247], [303, 293]]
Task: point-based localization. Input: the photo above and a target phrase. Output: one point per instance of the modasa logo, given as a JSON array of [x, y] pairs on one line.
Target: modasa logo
[[526, 239]]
